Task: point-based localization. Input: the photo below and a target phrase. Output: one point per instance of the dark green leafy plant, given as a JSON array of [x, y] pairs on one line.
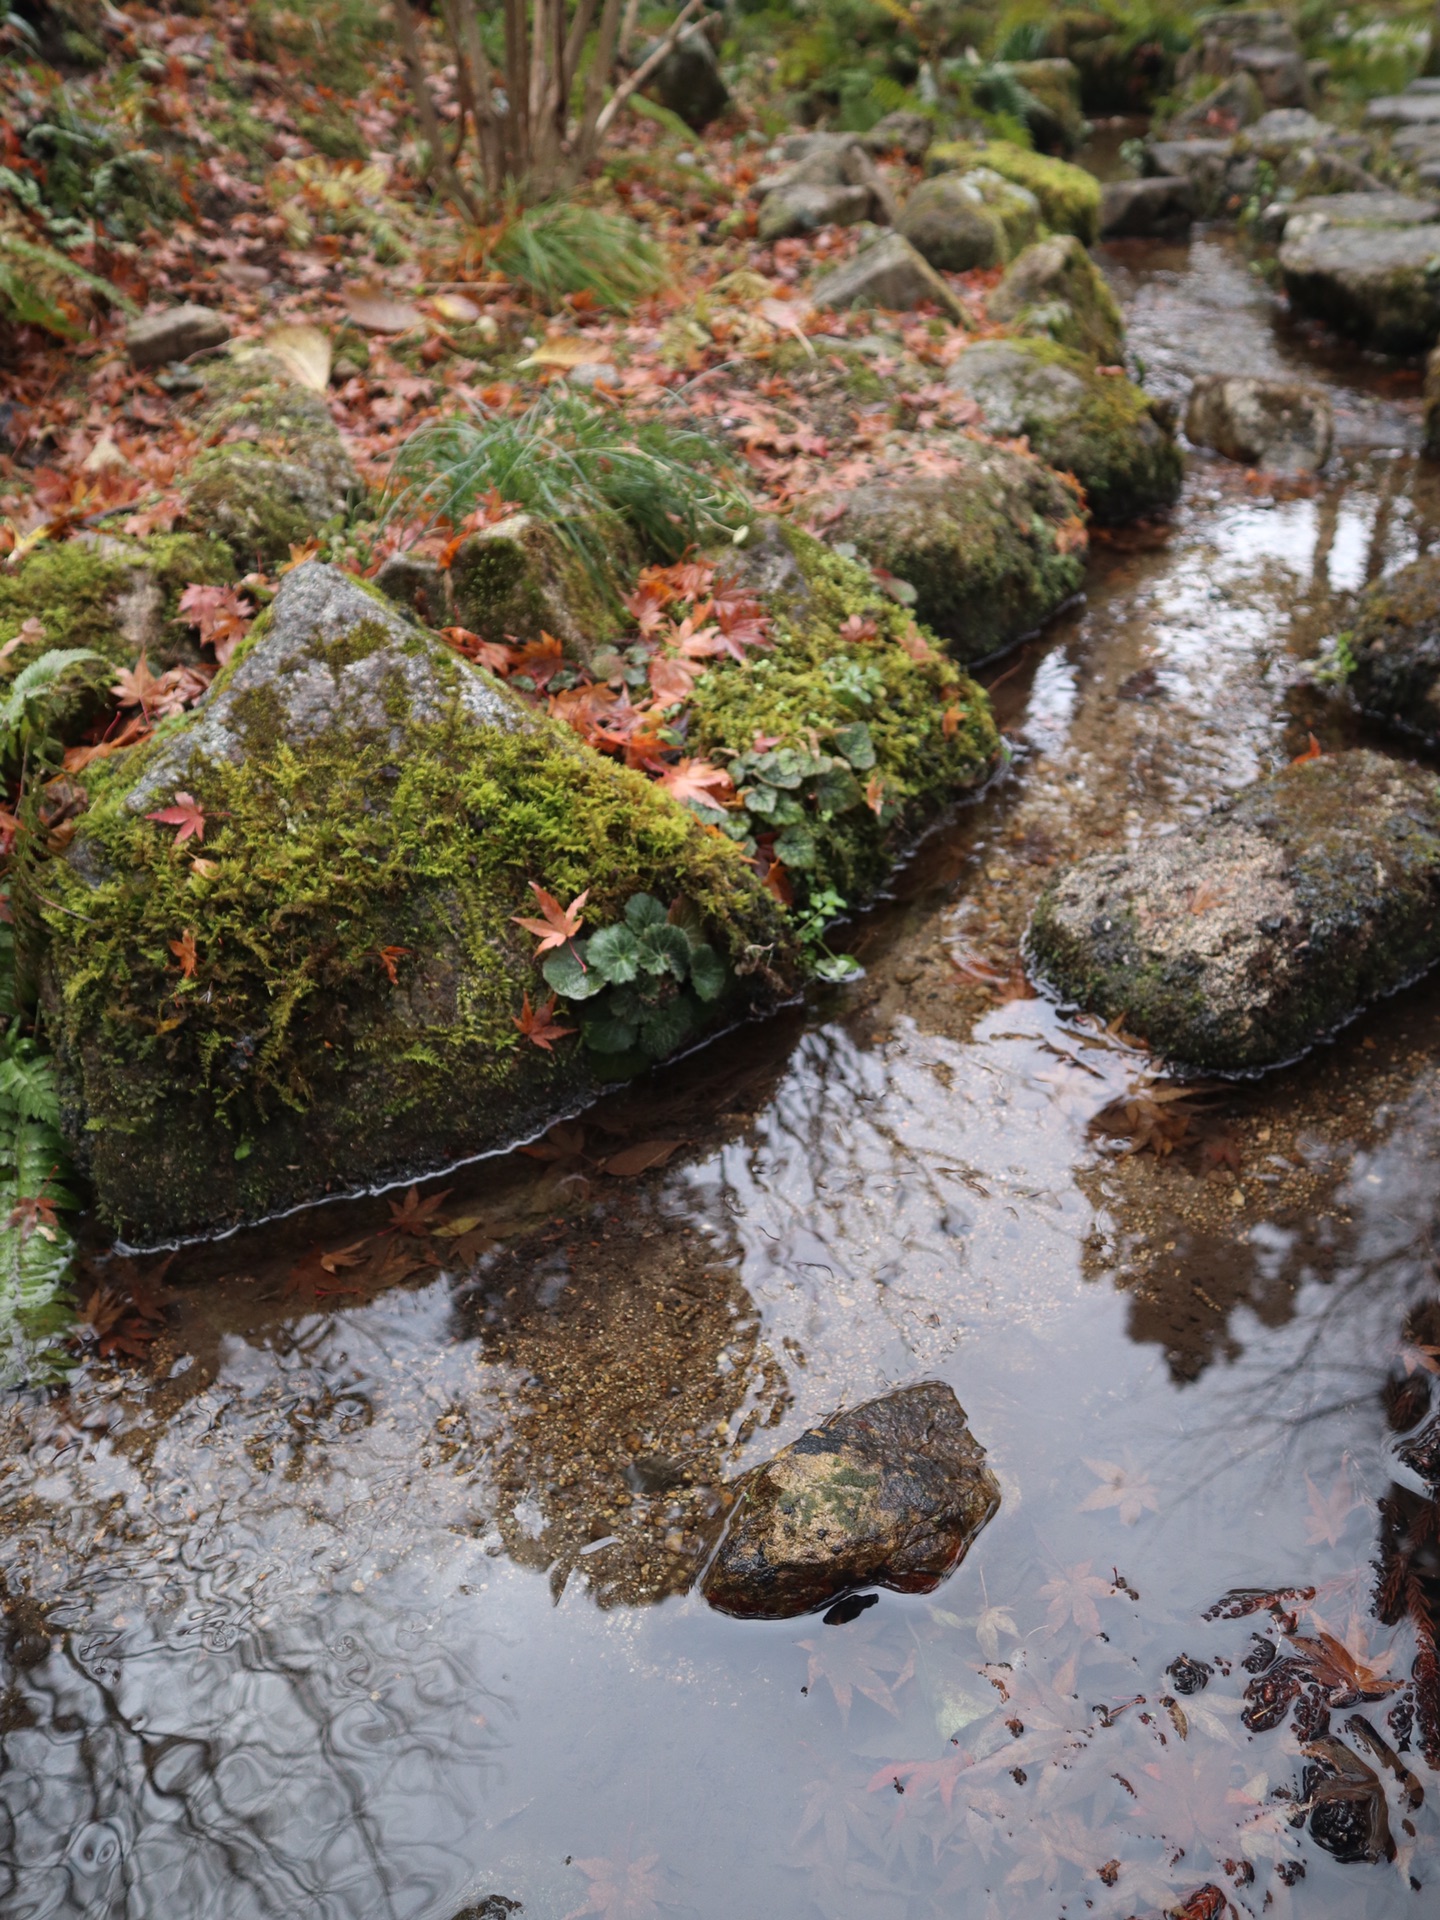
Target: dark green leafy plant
[[643, 983]]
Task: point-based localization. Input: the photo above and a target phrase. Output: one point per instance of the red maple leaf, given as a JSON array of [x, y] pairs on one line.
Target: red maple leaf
[[186, 815], [34, 1214], [222, 615], [560, 925], [538, 1024]]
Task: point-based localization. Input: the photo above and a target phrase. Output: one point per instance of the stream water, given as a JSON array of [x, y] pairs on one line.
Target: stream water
[[369, 1603]]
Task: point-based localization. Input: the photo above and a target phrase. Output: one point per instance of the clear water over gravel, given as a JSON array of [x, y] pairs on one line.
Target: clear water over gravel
[[375, 1603]]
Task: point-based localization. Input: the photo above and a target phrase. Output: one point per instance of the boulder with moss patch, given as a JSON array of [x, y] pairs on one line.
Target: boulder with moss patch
[[520, 579], [325, 992], [1099, 427], [1242, 939], [1378, 283], [274, 471], [868, 728], [960, 221], [1054, 289], [1069, 196], [115, 596], [1396, 650], [990, 546]]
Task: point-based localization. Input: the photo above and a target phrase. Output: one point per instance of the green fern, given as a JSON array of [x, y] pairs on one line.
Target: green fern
[[36, 1250], [28, 708]]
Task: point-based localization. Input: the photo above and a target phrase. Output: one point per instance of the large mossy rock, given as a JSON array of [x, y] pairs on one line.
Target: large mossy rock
[[871, 727], [374, 808], [1236, 943], [520, 579], [116, 596], [1055, 291], [889, 1494], [274, 470], [1378, 283], [991, 547], [1396, 647], [1097, 426], [1069, 196], [961, 221]]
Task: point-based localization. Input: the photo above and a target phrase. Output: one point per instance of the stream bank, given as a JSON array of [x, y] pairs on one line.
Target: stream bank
[[373, 1597]]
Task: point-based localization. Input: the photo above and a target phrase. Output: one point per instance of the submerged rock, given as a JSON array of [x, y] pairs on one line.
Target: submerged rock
[[327, 995], [1282, 425], [889, 1494], [1379, 283], [991, 548], [889, 274], [961, 221], [1097, 426], [1236, 943], [1055, 289], [1396, 647]]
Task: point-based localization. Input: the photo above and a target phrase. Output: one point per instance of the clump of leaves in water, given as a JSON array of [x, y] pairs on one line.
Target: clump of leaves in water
[[643, 983]]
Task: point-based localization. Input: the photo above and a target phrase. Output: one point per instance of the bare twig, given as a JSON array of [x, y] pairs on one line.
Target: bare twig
[[643, 72]]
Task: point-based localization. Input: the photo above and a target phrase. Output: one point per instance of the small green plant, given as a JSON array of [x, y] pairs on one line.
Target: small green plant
[[28, 709], [643, 983], [563, 248], [822, 910], [1339, 663], [579, 465]]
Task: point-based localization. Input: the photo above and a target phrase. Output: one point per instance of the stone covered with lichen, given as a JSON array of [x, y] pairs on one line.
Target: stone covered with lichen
[[1237, 942], [1069, 196], [891, 1494], [324, 992], [274, 471], [1395, 647], [1100, 427], [1055, 291], [519, 579], [881, 729], [992, 542], [116, 596]]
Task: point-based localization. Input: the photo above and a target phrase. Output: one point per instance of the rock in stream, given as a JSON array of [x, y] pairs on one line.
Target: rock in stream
[[1237, 942], [889, 1494]]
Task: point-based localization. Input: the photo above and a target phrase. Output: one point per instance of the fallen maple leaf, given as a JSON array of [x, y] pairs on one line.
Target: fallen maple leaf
[[136, 686], [184, 951], [387, 956], [414, 1215], [34, 1214], [639, 1159], [698, 780], [1312, 752], [560, 925], [538, 1024], [1072, 1595], [1329, 1511], [186, 815], [1120, 1487]]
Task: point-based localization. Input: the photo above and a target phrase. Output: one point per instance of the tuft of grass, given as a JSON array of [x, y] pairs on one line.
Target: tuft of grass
[[561, 248], [579, 465]]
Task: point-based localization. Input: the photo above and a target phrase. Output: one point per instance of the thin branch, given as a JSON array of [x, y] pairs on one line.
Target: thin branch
[[643, 72], [601, 68], [627, 31], [425, 106]]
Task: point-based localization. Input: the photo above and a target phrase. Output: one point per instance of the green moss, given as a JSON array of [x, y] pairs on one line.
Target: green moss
[[815, 684], [290, 1048], [95, 594], [519, 580], [1069, 196]]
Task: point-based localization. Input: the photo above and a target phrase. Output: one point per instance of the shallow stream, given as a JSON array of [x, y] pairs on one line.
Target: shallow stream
[[360, 1602]]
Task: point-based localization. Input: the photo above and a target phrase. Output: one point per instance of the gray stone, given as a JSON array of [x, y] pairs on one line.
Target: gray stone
[[688, 80], [518, 579], [1318, 212], [891, 275], [961, 221], [1404, 110], [832, 160], [801, 208], [1396, 646], [1286, 127], [175, 334], [1279, 72], [1237, 942], [1141, 208], [1237, 103], [907, 133], [1055, 289], [889, 1494], [1412, 142], [422, 585], [1204, 164], [1281, 425], [1097, 426], [1380, 284]]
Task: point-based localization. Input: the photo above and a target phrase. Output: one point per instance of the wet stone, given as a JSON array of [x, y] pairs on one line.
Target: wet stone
[[890, 1494], [1161, 204], [1237, 942], [1378, 284], [1396, 646], [1282, 425]]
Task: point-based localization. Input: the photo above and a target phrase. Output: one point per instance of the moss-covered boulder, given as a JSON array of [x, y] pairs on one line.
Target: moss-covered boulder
[[888, 1494], [991, 545], [1396, 651], [519, 579], [274, 470], [1380, 284], [1054, 290], [1237, 942], [115, 596], [848, 731], [1069, 196], [319, 987], [1097, 426], [960, 221]]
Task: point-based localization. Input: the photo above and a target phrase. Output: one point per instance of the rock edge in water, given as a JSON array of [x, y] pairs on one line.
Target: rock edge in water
[[890, 1494], [1236, 943]]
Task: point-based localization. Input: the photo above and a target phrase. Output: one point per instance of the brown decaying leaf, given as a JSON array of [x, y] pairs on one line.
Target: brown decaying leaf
[[638, 1159], [379, 312], [560, 924]]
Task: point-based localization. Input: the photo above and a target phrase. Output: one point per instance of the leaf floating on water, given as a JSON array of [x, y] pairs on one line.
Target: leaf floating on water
[[1240, 1602], [1123, 1487]]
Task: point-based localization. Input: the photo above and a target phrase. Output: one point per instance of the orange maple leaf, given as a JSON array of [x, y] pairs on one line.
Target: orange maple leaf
[[136, 686], [560, 925], [387, 956], [185, 953], [698, 780], [34, 1214], [1312, 752], [538, 1024]]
